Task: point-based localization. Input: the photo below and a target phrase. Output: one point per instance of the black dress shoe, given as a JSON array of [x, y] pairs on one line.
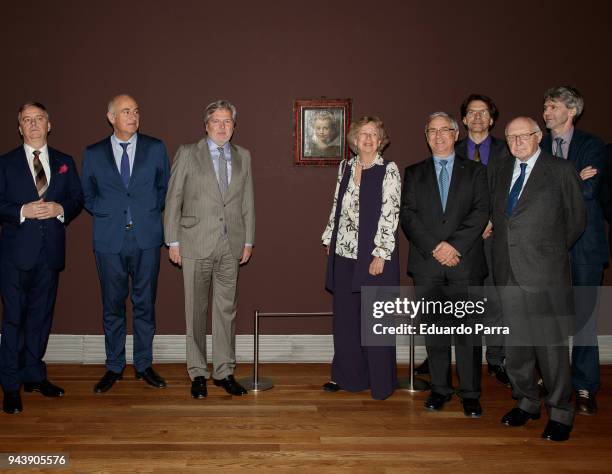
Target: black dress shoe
[[422, 369], [500, 374], [151, 377], [471, 407], [585, 403], [230, 385], [12, 403], [331, 387], [198, 387], [436, 401], [45, 387], [556, 431], [107, 381], [518, 417]]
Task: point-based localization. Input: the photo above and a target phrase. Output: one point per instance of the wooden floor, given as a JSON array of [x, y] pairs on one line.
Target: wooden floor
[[293, 427]]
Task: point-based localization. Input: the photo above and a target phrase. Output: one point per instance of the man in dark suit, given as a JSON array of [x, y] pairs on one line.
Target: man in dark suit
[[125, 179], [479, 114], [537, 213], [40, 193], [444, 211], [562, 107], [606, 193]]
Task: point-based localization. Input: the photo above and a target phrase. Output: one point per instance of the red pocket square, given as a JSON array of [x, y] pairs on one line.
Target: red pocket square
[[63, 169]]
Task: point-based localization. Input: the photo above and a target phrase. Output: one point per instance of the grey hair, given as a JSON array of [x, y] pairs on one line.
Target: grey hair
[[570, 96], [534, 124], [219, 104], [111, 103], [31, 104], [449, 117]]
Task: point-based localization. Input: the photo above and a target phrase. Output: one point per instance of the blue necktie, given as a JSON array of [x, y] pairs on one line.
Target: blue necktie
[[443, 182], [515, 192], [125, 173]]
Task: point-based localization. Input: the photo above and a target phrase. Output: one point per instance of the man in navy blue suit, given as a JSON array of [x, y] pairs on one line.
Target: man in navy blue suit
[[125, 178], [40, 193], [562, 107]]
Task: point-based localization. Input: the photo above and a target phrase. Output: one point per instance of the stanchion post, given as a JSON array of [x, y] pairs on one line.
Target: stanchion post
[[412, 384], [255, 384]]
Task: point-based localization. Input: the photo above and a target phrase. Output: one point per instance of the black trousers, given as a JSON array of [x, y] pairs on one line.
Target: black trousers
[[468, 348]]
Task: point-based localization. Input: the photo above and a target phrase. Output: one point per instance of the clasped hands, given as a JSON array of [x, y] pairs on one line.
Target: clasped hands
[[42, 209], [446, 254]]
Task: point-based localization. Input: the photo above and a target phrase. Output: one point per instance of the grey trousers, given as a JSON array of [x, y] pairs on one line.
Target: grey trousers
[[524, 311], [220, 268]]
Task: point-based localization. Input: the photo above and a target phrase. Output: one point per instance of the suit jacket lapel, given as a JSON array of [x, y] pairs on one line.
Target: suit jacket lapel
[[53, 164], [574, 145], [462, 148], [206, 164], [458, 168], [27, 172], [237, 170], [110, 159], [139, 158], [505, 180], [433, 180]]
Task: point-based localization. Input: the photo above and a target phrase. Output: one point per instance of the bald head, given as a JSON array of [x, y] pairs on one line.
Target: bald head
[[124, 115], [523, 135], [118, 98]]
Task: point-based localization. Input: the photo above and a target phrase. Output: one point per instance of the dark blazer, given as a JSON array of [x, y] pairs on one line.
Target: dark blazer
[[107, 199], [606, 192], [461, 224], [21, 243], [498, 154], [584, 150], [549, 217]]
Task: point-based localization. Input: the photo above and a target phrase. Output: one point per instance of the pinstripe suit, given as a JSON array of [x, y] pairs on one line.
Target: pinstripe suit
[[196, 217]]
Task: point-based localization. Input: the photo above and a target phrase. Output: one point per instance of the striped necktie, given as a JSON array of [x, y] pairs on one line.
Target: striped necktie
[[41, 178]]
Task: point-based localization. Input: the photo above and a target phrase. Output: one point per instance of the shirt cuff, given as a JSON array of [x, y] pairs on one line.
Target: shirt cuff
[[382, 253], [21, 218], [61, 218], [172, 244], [248, 245]]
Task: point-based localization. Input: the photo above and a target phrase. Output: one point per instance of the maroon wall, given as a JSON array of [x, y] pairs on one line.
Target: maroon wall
[[400, 60]]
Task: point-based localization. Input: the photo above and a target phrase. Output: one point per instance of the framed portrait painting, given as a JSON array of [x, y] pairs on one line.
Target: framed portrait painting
[[320, 131]]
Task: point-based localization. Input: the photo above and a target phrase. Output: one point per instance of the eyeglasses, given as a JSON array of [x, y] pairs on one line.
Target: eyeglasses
[[523, 137], [444, 131], [474, 113]]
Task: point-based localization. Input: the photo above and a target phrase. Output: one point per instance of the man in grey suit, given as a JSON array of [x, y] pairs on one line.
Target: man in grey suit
[[210, 229], [537, 213]]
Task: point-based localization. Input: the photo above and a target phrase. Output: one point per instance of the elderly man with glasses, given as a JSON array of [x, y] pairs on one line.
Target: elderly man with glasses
[[538, 213]]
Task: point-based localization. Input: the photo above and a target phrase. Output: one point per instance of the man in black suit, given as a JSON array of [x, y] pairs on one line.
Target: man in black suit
[[538, 213], [479, 114], [40, 193], [562, 107], [444, 211]]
